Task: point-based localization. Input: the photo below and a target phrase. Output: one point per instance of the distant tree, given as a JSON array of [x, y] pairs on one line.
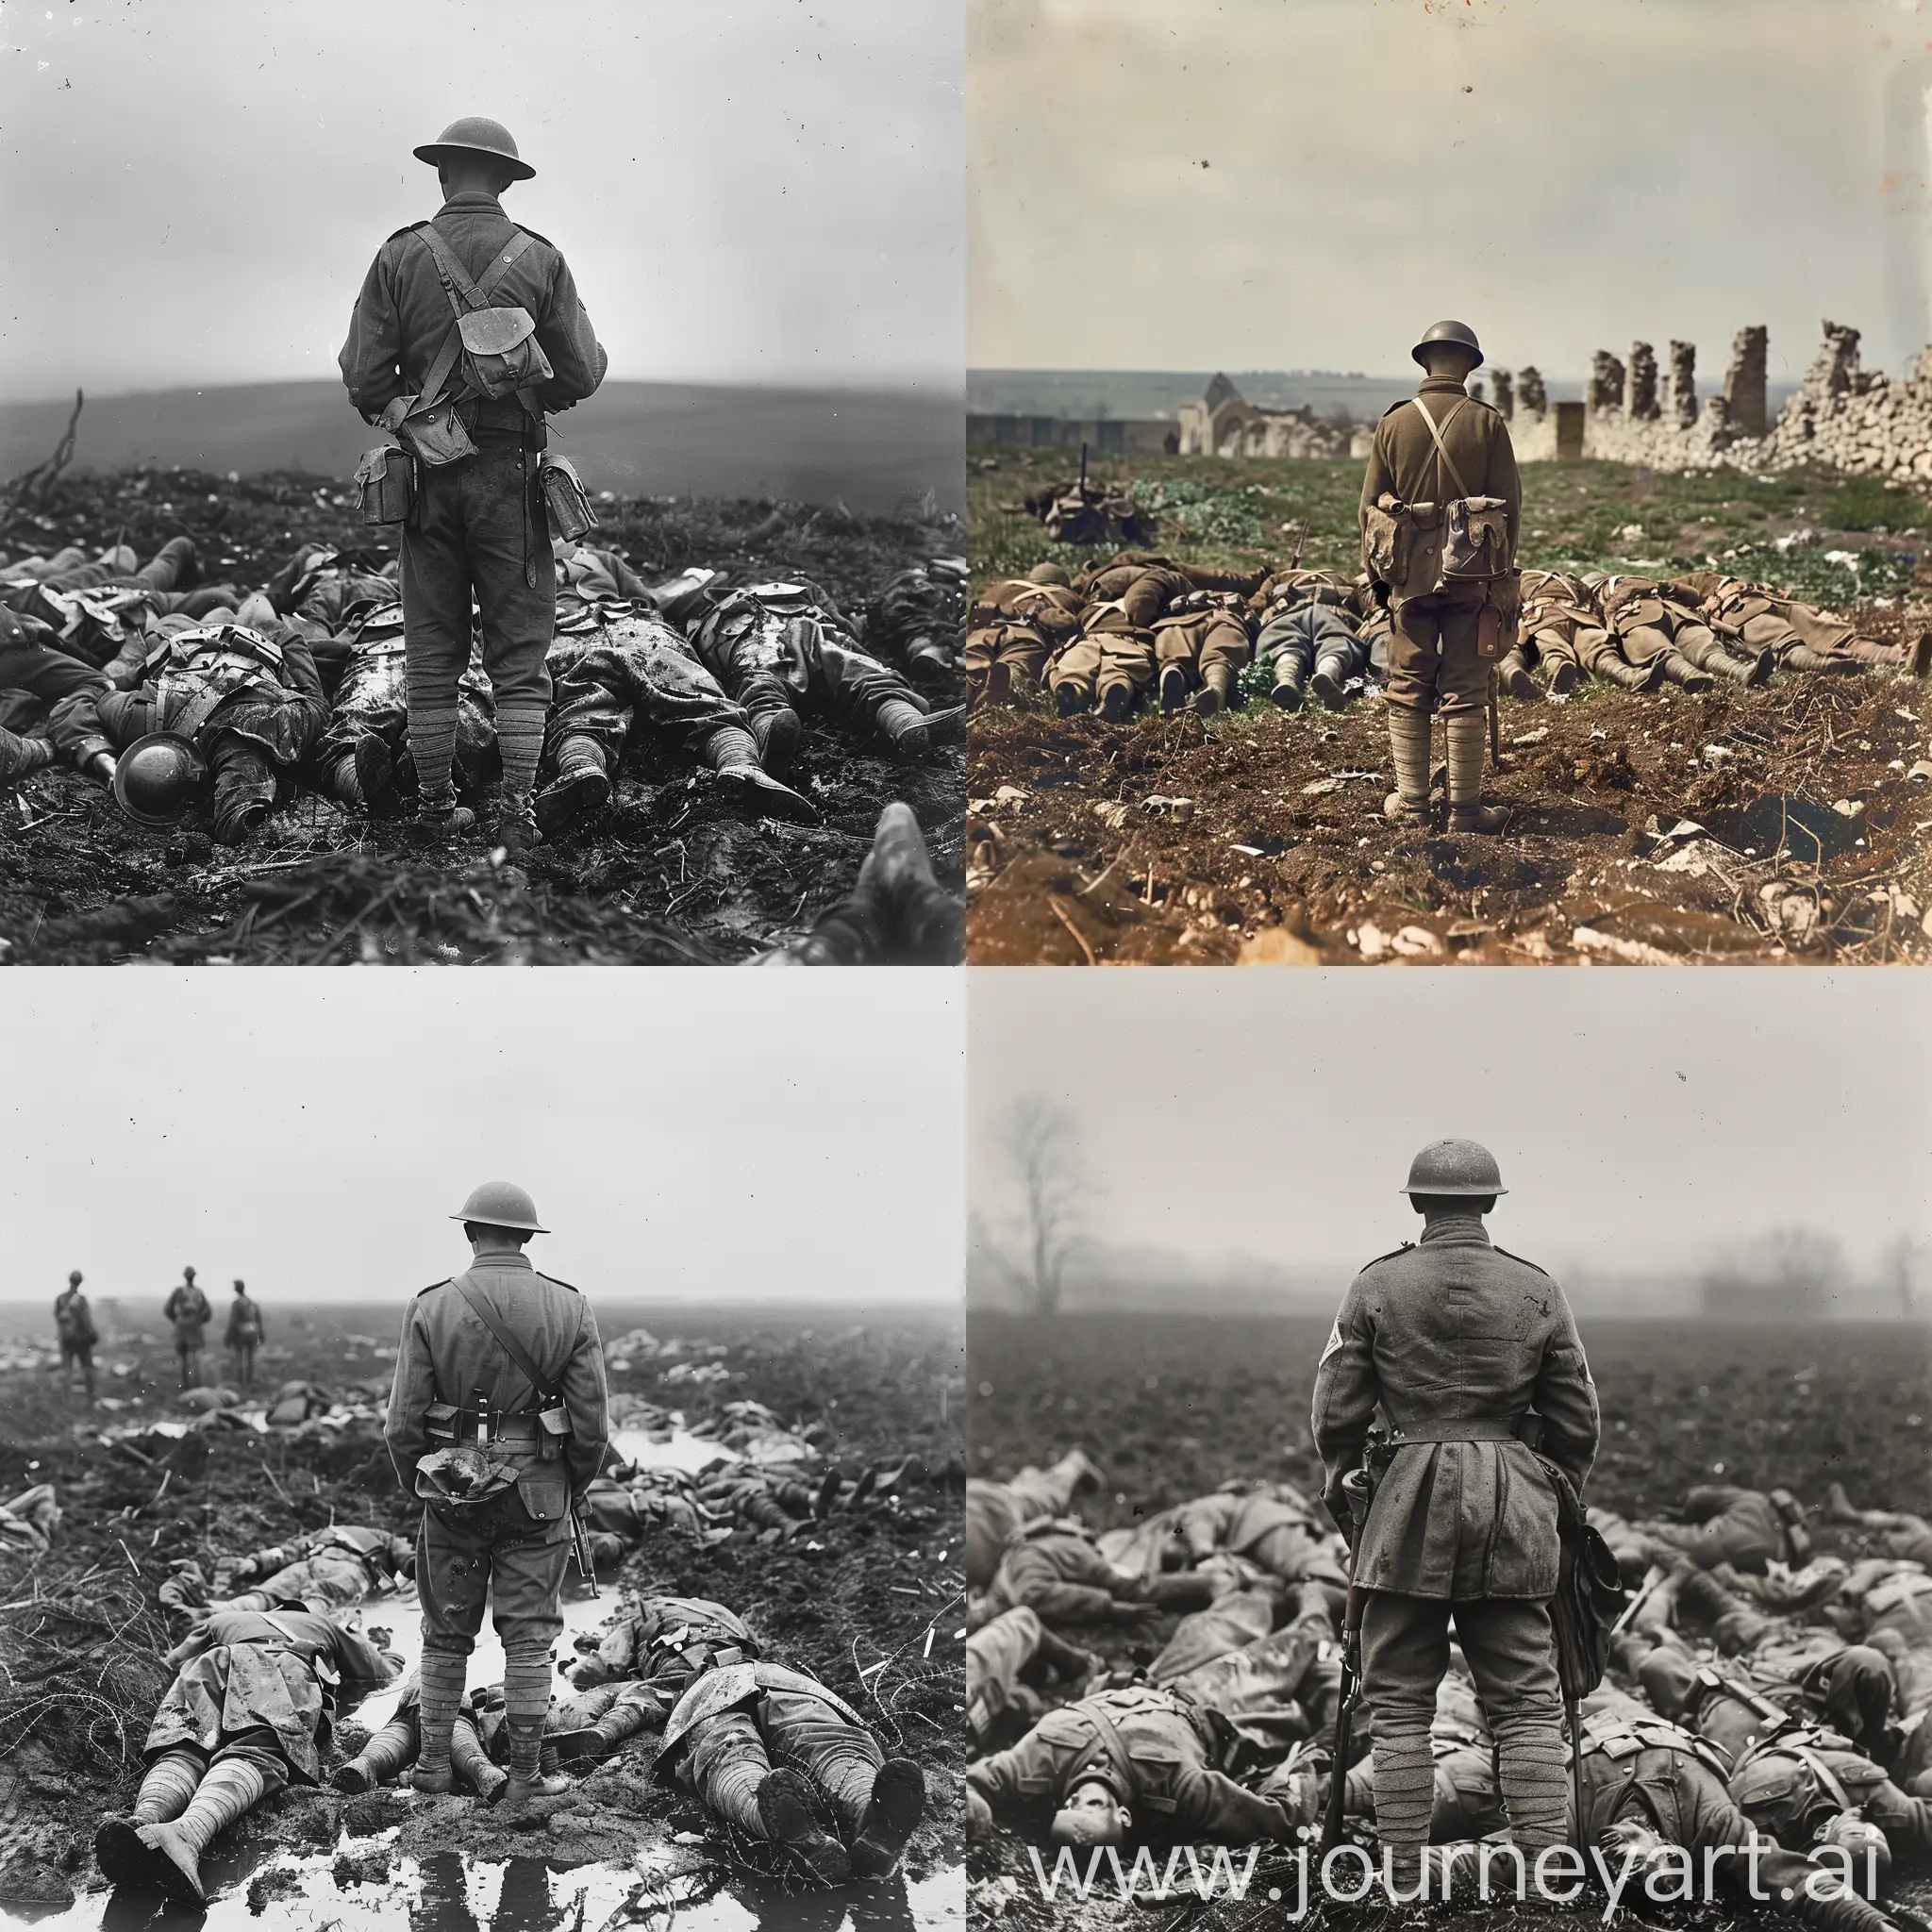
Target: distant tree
[[1040, 1141], [1901, 1269], [1785, 1274]]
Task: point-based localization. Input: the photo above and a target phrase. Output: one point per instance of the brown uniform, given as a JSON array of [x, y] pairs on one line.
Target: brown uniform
[[1433, 664], [1803, 638], [1661, 631]]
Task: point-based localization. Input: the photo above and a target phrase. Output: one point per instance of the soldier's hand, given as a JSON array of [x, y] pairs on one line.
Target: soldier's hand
[[980, 1823]]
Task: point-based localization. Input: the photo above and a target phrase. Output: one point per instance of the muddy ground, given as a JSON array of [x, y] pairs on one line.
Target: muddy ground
[[81, 1637], [1170, 1406], [1731, 827], [669, 874]]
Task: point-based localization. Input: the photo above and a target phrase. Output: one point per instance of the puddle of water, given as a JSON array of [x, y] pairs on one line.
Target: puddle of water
[[678, 1449], [452, 1893]]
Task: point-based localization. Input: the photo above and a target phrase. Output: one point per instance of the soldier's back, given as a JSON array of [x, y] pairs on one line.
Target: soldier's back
[[546, 1317]]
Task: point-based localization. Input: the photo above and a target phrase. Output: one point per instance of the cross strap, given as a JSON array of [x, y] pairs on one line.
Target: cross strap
[[1442, 447], [511, 1346], [453, 275]]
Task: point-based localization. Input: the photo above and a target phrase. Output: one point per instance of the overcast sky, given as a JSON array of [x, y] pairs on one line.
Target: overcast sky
[[697, 1136], [747, 190], [1642, 1119], [1266, 183]]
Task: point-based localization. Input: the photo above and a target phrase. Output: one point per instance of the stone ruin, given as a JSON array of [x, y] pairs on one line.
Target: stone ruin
[[1857, 421]]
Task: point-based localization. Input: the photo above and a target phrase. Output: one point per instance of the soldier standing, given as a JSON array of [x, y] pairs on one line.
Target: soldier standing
[[245, 1334], [1440, 444], [74, 1322], [1457, 1342], [479, 521], [187, 1309], [497, 1419]]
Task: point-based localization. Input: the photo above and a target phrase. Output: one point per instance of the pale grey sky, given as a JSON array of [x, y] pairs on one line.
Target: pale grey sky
[[747, 190], [1269, 184], [698, 1136], [1646, 1120]]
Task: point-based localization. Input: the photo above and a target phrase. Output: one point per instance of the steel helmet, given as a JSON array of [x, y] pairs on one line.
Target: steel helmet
[[1435, 332], [1867, 1850], [475, 135], [501, 1204], [1454, 1167], [75, 1278], [156, 778]]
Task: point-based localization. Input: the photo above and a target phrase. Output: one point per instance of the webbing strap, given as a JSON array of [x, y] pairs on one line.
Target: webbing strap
[[511, 1346], [449, 270], [1442, 447]]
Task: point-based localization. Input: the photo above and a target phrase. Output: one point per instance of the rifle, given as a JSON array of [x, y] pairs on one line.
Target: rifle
[[1294, 562], [1355, 1486], [580, 1549], [1083, 468]]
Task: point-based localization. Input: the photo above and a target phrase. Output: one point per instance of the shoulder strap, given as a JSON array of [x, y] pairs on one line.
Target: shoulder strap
[[456, 277], [511, 1346], [1442, 447]]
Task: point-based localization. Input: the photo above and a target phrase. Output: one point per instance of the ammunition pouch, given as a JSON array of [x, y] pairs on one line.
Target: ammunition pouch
[[436, 435], [449, 1424], [565, 498], [1475, 539], [1499, 622], [386, 485], [501, 353]]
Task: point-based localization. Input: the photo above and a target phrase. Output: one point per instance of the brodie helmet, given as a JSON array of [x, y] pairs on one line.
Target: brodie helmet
[[475, 135], [156, 778], [501, 1204], [1458, 332]]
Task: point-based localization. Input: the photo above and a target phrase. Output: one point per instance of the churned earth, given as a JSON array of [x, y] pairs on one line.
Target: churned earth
[[870, 1602], [1787, 824], [670, 873]]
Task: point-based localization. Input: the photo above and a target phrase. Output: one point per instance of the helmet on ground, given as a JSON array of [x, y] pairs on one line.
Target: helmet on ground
[[1457, 332], [475, 135], [501, 1204], [1048, 574], [1867, 1851], [156, 778], [1454, 1167]]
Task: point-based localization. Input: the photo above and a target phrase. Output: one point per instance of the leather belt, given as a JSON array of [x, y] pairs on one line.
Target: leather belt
[[1472, 1430], [503, 1429]]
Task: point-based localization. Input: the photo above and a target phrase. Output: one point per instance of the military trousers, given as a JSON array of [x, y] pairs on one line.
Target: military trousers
[[1020, 648], [1433, 665], [1098, 659], [505, 1559], [478, 527], [733, 1753], [1511, 1652], [1293, 642]]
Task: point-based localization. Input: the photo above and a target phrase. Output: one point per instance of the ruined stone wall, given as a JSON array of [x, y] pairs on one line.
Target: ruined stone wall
[[1842, 417]]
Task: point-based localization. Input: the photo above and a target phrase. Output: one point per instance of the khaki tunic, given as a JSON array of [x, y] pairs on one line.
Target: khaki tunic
[[1454, 1329]]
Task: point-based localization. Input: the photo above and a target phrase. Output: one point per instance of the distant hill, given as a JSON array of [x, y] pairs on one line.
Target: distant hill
[[1083, 394], [868, 449]]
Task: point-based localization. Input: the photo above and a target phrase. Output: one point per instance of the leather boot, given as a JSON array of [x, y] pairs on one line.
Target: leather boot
[[517, 830], [625, 1718], [787, 1818], [733, 754], [1217, 690], [1068, 699], [1513, 676], [777, 733], [384, 1754], [527, 1783], [905, 728], [470, 1762], [1615, 670], [166, 1791], [1290, 674], [1679, 670], [1802, 658], [1117, 703], [1563, 676], [1920, 663], [1173, 688], [1328, 685], [228, 1789], [580, 789], [923, 922], [1735, 669], [442, 817], [374, 772], [898, 1801]]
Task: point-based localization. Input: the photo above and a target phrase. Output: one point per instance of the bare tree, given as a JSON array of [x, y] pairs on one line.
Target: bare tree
[[1040, 1141]]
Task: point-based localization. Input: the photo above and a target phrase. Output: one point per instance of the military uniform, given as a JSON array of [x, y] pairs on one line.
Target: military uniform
[[249, 1711], [1009, 1662], [1787, 1783], [1160, 1755], [244, 1335], [1274, 1687], [1311, 634], [1205, 637], [510, 1548], [1433, 664], [917, 620], [74, 1322], [187, 1310], [748, 1737], [1457, 1342], [1798, 636], [995, 1509], [1053, 1567], [479, 524], [1664, 635], [1015, 626]]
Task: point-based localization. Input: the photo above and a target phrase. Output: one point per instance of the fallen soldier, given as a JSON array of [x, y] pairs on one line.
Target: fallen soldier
[[1055, 1568], [1309, 640], [1015, 626], [896, 914], [38, 678], [1755, 618], [666, 1642], [995, 1509], [393, 1748], [325, 1570], [249, 1711], [917, 619], [778, 1756], [1085, 1772], [1015, 1667]]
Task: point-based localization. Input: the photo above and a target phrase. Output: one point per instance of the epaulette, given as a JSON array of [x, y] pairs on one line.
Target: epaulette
[[1389, 1257], [410, 230], [1544, 1271], [1394, 407], [444, 1283], [571, 1285], [534, 237]]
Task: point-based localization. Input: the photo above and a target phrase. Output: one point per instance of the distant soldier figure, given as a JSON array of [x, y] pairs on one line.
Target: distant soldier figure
[[74, 1322], [187, 1309], [1440, 449], [497, 1419], [245, 1334], [1457, 1342], [479, 521]]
